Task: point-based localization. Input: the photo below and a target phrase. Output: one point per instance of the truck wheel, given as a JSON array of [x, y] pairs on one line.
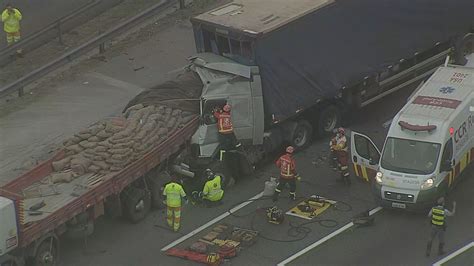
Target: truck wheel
[[302, 135], [155, 184], [329, 119], [136, 203], [46, 253]]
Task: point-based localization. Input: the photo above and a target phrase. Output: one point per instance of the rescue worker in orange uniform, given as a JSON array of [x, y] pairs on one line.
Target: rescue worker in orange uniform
[[288, 174], [228, 141], [339, 147]]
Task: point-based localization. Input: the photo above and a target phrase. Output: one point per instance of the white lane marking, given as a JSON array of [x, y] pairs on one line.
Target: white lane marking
[[454, 254], [324, 239], [213, 221]]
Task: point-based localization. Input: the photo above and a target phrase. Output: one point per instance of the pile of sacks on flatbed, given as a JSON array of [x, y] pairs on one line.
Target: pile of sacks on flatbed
[[110, 145]]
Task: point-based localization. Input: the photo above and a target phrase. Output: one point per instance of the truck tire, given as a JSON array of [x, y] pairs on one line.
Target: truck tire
[[46, 253], [155, 185], [466, 46], [136, 203], [301, 135], [329, 119]]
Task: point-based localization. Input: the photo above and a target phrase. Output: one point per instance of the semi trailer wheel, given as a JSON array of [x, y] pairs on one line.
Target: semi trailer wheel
[[156, 184], [329, 119], [46, 253], [302, 135], [136, 203]]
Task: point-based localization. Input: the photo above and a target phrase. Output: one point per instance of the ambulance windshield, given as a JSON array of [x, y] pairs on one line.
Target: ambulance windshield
[[410, 156]]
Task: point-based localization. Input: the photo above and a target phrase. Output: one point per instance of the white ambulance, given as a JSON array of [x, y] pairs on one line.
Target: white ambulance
[[429, 143]]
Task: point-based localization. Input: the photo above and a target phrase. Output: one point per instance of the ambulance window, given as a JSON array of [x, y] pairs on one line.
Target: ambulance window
[[448, 151], [365, 148]]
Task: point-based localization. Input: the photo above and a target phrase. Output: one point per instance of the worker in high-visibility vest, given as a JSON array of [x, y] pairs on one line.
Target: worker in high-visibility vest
[[11, 24], [173, 193], [212, 193], [438, 216], [288, 174]]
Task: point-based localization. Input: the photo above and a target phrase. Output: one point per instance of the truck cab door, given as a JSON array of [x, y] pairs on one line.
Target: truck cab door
[[365, 156]]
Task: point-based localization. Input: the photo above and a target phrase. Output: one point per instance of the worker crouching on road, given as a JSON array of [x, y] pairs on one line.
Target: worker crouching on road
[[11, 24], [340, 149], [173, 192], [212, 193], [227, 140], [438, 216], [288, 174]]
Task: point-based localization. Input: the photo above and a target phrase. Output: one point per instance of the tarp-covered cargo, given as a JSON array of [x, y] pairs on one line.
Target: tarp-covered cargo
[[309, 50]]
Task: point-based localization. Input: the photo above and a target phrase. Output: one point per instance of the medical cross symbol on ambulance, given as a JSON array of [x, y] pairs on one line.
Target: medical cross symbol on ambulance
[[446, 90]]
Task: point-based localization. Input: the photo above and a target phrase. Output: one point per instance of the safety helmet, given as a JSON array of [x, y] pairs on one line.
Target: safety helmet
[[290, 149], [341, 131], [226, 108], [209, 173]]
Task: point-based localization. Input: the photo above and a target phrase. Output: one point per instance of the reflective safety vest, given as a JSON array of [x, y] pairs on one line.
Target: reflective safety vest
[[173, 192], [212, 189], [341, 144], [287, 166], [224, 122], [437, 215], [11, 22]]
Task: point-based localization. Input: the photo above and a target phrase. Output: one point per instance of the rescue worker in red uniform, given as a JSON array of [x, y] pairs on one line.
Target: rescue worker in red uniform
[[229, 146], [339, 147], [288, 174]]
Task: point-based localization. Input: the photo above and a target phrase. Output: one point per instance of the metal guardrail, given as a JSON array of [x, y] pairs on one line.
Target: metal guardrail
[[56, 25], [98, 41]]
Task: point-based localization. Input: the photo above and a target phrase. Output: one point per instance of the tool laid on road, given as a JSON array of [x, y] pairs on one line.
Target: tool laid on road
[[275, 215], [311, 207]]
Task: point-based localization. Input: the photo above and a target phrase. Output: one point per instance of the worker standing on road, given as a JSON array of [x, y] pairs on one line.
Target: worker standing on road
[[339, 146], [438, 216], [173, 193], [212, 193], [11, 24], [288, 174], [227, 140]]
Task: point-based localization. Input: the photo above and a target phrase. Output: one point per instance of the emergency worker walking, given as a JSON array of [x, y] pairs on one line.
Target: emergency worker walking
[[438, 216], [288, 174], [173, 193], [11, 24]]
